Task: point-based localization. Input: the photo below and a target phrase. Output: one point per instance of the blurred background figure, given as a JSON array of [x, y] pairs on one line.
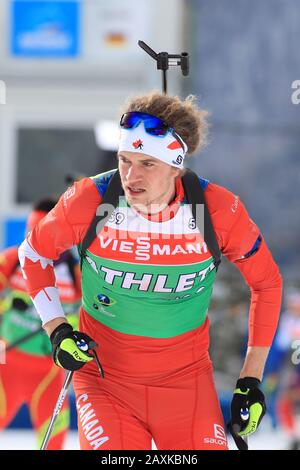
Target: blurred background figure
[[29, 374], [282, 374]]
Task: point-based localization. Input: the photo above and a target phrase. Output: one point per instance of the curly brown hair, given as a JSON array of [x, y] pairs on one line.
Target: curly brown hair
[[184, 116]]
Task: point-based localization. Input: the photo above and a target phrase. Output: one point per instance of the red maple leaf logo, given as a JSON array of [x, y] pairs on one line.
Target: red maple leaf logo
[[174, 145], [138, 144]]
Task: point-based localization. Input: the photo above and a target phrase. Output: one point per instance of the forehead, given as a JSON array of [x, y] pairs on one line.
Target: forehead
[[137, 156]]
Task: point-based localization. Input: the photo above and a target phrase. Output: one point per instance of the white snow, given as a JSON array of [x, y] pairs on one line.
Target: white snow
[[265, 438]]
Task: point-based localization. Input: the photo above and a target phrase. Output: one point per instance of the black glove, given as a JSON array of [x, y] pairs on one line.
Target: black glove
[[247, 407], [70, 348]]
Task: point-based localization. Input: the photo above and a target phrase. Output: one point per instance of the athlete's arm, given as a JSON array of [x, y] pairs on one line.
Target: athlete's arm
[[50, 326], [242, 243], [263, 277], [63, 227], [254, 362]]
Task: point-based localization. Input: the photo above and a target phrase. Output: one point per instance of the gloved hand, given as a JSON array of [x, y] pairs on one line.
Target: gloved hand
[[247, 407], [70, 348]]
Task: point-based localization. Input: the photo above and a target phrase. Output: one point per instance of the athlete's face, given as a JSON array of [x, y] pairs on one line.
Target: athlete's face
[[148, 183]]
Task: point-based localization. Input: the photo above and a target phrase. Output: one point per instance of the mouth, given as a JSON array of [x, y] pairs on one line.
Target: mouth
[[135, 191]]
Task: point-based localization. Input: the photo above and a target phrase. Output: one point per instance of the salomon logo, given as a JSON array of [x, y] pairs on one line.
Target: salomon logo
[[219, 432], [178, 160]]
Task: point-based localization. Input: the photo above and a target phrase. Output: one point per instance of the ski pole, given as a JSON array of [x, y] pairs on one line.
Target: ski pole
[[92, 345], [57, 408], [240, 442]]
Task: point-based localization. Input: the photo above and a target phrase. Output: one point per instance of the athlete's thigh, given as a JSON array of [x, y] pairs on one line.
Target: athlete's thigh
[[105, 424], [187, 415]]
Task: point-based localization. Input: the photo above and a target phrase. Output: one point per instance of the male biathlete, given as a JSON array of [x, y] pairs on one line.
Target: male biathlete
[[28, 374], [147, 280]]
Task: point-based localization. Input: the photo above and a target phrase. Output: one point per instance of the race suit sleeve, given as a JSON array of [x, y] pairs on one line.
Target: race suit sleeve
[[241, 242], [8, 262], [62, 228]]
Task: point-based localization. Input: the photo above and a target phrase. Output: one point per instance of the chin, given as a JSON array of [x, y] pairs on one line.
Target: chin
[[139, 204], [140, 199]]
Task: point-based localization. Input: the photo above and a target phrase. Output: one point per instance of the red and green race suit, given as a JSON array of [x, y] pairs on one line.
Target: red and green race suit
[[28, 374], [146, 288]]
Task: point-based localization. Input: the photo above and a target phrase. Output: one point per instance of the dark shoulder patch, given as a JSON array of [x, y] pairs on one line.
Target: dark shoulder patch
[[203, 182], [102, 181]]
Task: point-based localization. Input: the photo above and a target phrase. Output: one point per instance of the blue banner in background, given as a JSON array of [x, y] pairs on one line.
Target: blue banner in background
[[14, 231], [45, 29]]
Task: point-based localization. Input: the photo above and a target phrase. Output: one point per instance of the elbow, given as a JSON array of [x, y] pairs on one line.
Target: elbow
[[280, 280], [27, 253], [276, 279]]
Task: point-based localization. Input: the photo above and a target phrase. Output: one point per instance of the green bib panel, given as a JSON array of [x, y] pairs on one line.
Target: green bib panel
[[146, 278]]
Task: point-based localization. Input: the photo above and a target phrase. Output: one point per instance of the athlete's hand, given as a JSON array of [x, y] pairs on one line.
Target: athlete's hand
[[247, 407], [70, 348]]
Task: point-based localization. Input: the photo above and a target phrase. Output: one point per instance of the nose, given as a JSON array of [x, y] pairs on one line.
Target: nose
[[133, 174]]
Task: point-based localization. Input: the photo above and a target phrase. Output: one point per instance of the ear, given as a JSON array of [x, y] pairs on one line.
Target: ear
[[176, 172]]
